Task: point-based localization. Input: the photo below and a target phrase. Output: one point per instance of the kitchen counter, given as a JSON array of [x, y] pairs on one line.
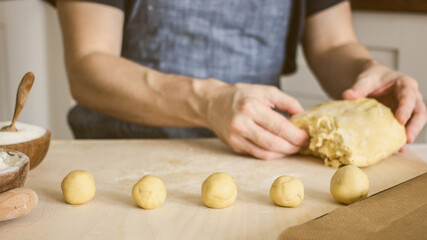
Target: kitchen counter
[[183, 165]]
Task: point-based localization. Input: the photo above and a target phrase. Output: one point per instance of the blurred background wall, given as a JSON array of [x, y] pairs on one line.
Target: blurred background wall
[[30, 40]]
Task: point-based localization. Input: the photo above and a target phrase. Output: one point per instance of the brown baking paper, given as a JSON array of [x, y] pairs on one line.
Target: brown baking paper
[[399, 212]]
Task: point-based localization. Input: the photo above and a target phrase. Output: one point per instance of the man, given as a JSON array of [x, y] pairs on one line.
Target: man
[[163, 68]]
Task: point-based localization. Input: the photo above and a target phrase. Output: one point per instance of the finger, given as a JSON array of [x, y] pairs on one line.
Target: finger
[[402, 149], [243, 145], [268, 141], [284, 102], [363, 87], [278, 125], [417, 122], [350, 94], [407, 98]]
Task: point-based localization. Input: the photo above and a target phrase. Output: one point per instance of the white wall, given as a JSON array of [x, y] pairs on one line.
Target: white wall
[[30, 41]]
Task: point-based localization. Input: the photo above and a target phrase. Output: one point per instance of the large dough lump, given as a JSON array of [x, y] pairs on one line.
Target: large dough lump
[[360, 132]]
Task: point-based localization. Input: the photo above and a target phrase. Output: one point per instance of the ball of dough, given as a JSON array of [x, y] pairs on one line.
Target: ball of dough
[[149, 192], [78, 187], [287, 191], [349, 184], [219, 191]]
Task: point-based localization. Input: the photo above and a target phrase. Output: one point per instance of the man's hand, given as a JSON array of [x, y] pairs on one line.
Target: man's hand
[[394, 89], [244, 117], [337, 58]]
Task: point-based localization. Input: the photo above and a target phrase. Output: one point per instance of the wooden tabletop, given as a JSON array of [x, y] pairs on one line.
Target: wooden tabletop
[[182, 165]]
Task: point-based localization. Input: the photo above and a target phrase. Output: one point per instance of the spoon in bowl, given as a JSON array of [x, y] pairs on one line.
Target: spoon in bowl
[[21, 97]]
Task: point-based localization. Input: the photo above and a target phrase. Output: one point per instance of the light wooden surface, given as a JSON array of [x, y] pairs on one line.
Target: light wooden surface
[[183, 165]]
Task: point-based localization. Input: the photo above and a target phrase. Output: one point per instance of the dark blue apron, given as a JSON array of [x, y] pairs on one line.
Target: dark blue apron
[[233, 41]]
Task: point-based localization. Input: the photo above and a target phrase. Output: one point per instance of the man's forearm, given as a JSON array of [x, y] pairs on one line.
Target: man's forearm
[[134, 93], [338, 67]]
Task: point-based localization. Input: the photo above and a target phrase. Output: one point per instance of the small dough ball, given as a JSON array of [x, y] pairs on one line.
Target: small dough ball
[[219, 191], [78, 187], [349, 184], [287, 191], [149, 192]]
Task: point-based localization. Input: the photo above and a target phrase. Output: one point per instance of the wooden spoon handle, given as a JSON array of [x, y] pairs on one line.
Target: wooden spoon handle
[[17, 202], [22, 94]]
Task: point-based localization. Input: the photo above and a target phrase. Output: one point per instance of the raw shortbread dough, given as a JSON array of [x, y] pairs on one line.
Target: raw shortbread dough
[[78, 187], [360, 132], [349, 184], [219, 191], [287, 191], [149, 192]]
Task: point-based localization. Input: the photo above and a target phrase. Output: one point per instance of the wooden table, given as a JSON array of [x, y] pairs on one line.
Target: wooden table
[[183, 165]]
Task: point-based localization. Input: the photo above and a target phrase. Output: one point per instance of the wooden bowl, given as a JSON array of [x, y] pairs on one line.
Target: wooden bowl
[[35, 147], [14, 169]]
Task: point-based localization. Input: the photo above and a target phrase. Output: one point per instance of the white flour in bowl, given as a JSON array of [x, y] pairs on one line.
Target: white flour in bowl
[[10, 162], [25, 133]]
